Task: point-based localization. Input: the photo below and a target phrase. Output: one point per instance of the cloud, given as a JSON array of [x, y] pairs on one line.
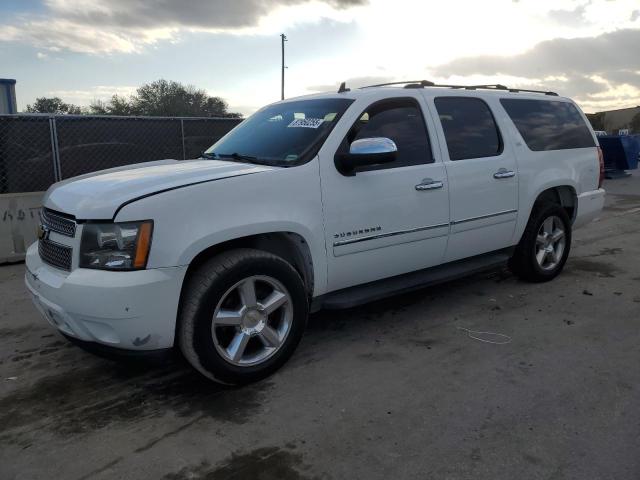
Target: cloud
[[587, 56], [574, 18], [595, 71], [634, 15], [578, 67], [87, 96], [57, 35], [96, 26], [150, 14]]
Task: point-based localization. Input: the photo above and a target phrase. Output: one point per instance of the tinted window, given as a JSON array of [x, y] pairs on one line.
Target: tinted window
[[286, 133], [469, 128], [400, 120], [548, 125]]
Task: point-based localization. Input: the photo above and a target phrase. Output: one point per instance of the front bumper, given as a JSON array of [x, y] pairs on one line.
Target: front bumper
[[127, 310], [590, 204]]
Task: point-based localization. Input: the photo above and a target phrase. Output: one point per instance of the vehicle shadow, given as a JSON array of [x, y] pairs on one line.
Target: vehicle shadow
[[82, 393], [351, 318]]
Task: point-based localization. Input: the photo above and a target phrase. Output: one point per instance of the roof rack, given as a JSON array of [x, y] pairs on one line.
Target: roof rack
[[427, 83]]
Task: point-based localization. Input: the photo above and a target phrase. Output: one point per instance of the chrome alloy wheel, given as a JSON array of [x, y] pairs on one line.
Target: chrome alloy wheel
[[252, 320], [550, 243]]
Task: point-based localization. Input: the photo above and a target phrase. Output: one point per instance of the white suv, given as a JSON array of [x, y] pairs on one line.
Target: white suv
[[323, 201]]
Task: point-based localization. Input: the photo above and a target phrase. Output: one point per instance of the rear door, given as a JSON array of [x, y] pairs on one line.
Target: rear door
[[483, 176]]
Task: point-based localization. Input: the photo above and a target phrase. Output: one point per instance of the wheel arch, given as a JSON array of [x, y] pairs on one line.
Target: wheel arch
[[291, 246], [561, 192], [563, 195]]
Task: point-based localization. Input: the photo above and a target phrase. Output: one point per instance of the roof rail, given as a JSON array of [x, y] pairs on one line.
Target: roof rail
[[427, 83], [421, 83], [516, 90]]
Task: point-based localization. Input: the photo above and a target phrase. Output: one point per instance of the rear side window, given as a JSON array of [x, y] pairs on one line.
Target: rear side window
[[469, 128], [548, 125]]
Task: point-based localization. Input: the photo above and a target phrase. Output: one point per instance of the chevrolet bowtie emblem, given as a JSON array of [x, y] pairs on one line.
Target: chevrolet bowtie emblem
[[43, 232]]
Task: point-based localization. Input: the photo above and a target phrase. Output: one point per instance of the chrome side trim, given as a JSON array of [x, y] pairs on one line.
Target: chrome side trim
[[388, 234], [419, 229], [456, 222]]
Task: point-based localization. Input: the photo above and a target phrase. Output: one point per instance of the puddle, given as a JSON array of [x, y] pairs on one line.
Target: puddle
[[602, 269], [82, 401], [268, 463]]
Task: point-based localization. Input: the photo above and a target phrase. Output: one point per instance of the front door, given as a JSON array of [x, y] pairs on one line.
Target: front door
[[482, 172], [387, 219]]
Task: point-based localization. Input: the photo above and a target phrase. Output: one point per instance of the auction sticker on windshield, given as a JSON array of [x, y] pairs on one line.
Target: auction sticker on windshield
[[306, 123]]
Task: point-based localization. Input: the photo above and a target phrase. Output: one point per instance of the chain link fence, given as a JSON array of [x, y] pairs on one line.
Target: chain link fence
[[38, 150]]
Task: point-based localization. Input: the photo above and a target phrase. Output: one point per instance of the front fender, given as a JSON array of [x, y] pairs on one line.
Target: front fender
[[189, 220], [241, 231]]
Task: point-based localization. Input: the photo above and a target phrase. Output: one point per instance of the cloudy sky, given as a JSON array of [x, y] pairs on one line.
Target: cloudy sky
[[83, 50]]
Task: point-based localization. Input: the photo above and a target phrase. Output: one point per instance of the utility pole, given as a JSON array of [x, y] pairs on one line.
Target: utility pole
[[284, 39]]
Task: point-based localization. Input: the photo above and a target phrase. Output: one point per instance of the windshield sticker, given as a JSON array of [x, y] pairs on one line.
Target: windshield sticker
[[306, 123]]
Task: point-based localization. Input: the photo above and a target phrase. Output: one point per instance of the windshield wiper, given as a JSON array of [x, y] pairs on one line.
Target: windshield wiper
[[239, 157], [246, 158], [235, 156]]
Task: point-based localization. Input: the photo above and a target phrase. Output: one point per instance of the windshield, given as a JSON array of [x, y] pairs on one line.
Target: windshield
[[282, 134]]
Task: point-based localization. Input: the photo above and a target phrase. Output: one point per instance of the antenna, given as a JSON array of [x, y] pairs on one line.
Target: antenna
[[343, 88]]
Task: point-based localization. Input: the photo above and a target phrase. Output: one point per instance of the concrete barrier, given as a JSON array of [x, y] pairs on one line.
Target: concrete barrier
[[18, 224]]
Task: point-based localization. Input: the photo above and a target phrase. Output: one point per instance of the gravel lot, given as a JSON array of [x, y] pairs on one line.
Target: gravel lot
[[394, 389]]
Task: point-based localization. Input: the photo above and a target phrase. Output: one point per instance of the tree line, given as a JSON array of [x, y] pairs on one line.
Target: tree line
[[162, 98], [597, 122]]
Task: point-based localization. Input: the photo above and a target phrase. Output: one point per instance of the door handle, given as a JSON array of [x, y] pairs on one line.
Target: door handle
[[429, 184], [504, 173]]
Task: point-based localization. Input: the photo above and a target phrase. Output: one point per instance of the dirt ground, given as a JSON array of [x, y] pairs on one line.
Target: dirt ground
[[394, 389]]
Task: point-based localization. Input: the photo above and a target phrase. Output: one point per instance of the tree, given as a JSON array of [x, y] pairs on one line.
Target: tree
[[635, 123], [596, 120], [116, 106], [168, 99], [53, 105]]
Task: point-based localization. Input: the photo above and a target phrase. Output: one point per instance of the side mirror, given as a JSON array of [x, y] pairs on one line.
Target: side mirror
[[366, 152]]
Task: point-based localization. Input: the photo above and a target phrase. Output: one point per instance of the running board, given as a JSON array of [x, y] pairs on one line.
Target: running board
[[369, 292]]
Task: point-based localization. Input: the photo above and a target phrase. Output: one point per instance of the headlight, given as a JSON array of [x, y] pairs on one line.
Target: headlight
[[115, 246]]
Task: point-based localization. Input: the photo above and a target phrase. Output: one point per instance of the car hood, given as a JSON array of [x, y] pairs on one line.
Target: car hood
[[98, 195]]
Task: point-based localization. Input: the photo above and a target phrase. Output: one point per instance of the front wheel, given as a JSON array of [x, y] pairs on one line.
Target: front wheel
[[544, 247], [243, 314]]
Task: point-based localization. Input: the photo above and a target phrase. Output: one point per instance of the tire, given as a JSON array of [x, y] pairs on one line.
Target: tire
[[536, 243], [235, 337]]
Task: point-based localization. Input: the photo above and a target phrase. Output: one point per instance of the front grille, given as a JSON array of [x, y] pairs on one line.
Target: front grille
[[58, 223], [55, 254]]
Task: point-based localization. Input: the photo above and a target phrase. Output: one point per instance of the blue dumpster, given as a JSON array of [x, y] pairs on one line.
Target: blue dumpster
[[620, 153]]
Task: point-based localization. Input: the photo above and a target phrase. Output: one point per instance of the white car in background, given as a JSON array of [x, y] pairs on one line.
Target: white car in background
[[323, 201]]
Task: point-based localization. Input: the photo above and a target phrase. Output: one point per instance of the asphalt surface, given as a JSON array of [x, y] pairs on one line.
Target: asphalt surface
[[395, 389]]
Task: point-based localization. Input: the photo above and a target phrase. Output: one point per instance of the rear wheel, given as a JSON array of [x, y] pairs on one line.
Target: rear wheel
[[544, 247], [243, 314]]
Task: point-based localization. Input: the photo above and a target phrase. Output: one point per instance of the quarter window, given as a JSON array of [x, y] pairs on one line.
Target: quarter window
[[469, 128], [548, 125], [399, 120]]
